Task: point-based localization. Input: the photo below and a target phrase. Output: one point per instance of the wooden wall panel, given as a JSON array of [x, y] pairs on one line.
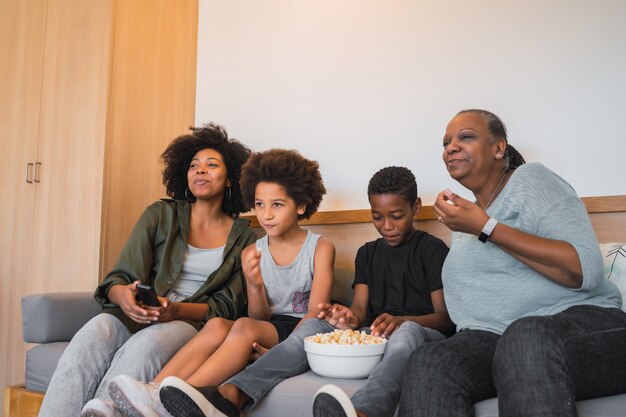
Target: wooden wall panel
[[152, 101], [22, 27], [74, 99]]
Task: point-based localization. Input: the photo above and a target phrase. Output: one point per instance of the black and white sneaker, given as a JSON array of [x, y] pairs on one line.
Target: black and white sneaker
[[332, 401], [184, 400]]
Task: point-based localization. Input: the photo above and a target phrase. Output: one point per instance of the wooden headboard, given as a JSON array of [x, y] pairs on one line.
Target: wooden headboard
[[349, 229]]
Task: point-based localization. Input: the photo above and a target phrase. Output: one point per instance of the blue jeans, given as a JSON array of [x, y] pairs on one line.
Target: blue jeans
[[380, 394], [102, 349], [540, 366]]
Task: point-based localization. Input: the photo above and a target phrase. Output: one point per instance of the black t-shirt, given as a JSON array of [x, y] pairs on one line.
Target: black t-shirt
[[400, 279]]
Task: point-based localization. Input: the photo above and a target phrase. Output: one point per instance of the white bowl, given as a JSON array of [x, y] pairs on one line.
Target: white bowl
[[343, 361]]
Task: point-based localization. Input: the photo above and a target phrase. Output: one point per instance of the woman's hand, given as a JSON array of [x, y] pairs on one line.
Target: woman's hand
[[124, 296], [338, 316], [459, 214], [251, 263], [386, 324]]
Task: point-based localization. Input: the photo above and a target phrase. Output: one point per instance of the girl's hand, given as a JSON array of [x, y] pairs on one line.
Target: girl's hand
[[251, 263], [459, 214], [386, 324], [124, 296], [338, 316], [257, 351], [168, 310]]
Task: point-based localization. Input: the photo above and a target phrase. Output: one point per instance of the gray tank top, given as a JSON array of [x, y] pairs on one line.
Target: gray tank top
[[288, 287]]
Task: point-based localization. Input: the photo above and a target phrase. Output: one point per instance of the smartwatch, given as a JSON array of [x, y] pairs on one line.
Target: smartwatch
[[485, 234]]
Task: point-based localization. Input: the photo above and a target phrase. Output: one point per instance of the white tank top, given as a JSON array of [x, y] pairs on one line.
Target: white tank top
[[198, 264]]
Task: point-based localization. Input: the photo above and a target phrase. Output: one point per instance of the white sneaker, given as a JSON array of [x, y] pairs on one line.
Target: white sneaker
[[135, 398], [332, 401], [99, 408]]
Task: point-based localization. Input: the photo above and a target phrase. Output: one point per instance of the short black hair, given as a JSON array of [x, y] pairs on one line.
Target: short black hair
[[179, 153], [394, 180], [299, 176]]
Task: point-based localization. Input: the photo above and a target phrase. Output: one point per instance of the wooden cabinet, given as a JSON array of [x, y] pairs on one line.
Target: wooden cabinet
[[91, 92], [54, 83], [71, 142]]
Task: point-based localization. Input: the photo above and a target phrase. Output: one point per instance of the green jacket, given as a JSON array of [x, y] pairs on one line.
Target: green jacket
[[154, 255]]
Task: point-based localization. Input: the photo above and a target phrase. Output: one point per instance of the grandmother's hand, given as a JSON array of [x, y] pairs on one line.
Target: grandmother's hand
[[459, 214]]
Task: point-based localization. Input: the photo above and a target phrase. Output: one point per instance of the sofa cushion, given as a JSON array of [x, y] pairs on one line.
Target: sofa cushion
[[614, 256], [41, 361], [612, 406], [56, 317], [294, 396]]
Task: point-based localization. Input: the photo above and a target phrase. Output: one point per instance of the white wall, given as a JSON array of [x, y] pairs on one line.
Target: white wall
[[362, 84]]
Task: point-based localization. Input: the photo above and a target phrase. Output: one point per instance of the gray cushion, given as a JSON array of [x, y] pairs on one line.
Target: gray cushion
[[294, 396], [41, 361], [613, 406], [56, 317]]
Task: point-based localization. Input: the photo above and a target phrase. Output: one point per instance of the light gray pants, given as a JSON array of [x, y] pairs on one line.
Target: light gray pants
[[105, 348], [379, 396]]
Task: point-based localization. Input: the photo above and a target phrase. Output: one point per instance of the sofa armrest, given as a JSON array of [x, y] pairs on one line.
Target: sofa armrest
[[56, 317]]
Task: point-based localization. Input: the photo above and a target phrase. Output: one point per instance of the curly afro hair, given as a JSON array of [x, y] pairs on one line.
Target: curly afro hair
[[177, 158], [299, 176], [394, 180]]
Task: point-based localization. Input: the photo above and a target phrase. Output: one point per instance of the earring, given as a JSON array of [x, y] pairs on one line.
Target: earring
[[228, 193], [187, 196], [498, 155]]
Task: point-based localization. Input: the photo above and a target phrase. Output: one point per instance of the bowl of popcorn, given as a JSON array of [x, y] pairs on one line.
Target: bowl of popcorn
[[344, 353]]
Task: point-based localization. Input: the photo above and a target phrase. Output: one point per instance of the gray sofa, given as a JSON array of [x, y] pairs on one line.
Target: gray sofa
[[50, 320]]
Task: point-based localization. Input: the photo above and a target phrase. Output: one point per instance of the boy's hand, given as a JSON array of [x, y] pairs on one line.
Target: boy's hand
[[386, 324], [251, 263], [338, 316]]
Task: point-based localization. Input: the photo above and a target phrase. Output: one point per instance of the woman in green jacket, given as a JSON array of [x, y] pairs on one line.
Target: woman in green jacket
[[188, 250]]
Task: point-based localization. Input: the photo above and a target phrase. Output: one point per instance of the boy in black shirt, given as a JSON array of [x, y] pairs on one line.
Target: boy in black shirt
[[397, 293]]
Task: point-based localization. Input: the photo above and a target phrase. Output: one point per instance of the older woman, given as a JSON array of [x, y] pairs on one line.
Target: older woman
[[538, 324], [188, 249]]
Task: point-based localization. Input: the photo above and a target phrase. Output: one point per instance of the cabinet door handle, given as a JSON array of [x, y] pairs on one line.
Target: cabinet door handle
[[29, 172], [37, 165]]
